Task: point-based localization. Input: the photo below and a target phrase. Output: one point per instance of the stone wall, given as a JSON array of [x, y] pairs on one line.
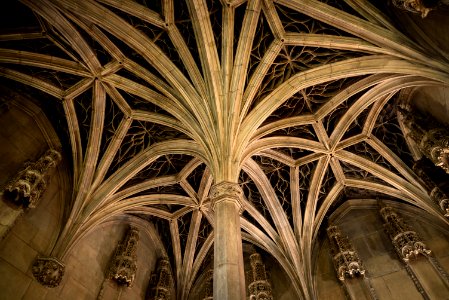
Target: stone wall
[[384, 269], [25, 135], [88, 261]]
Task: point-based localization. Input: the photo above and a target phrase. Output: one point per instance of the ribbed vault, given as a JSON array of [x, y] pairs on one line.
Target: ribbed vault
[[294, 99]]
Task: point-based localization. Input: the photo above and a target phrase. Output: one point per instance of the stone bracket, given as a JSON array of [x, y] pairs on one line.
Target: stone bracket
[[48, 271]]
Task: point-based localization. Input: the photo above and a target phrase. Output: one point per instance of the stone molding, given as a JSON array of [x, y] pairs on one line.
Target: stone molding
[[123, 266], [227, 191], [346, 260], [48, 271], [406, 242], [26, 188]]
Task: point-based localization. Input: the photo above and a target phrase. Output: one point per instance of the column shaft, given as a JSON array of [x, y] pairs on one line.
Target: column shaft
[[229, 278]]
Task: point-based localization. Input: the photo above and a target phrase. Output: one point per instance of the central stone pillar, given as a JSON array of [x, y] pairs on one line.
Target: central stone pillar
[[229, 277]]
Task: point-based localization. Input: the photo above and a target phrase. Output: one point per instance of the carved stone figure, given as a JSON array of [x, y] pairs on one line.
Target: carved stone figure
[[161, 281], [48, 271], [123, 265], [259, 287], [406, 242], [346, 260], [27, 186], [433, 142]]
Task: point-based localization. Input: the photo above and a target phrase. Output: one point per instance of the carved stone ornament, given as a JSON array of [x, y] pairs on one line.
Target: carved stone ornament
[[161, 281], [435, 193], [208, 286], [48, 271], [406, 242], [346, 260], [259, 287], [433, 143], [224, 191], [422, 7], [28, 185], [123, 265]]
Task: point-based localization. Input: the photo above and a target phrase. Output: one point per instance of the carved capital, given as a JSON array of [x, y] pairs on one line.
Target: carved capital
[[123, 265], [225, 191], [346, 260], [26, 188], [406, 242], [48, 271]]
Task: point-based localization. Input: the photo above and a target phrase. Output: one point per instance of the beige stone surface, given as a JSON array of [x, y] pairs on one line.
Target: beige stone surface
[[401, 286], [381, 288], [432, 283], [14, 282], [17, 252], [35, 291]]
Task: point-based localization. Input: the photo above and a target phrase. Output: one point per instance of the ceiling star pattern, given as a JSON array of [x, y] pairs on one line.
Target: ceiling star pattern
[[292, 99]]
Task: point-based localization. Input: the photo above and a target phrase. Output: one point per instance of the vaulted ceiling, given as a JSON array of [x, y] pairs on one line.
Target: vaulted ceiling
[[293, 99]]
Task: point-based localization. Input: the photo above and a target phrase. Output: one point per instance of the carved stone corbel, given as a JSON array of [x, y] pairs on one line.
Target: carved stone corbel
[[26, 188], [259, 287], [346, 260], [123, 265], [161, 281], [406, 242], [48, 271]]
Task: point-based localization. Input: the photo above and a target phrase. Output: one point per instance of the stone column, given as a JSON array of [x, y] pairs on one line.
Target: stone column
[[259, 287], [161, 281], [431, 138], [229, 277], [25, 189]]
